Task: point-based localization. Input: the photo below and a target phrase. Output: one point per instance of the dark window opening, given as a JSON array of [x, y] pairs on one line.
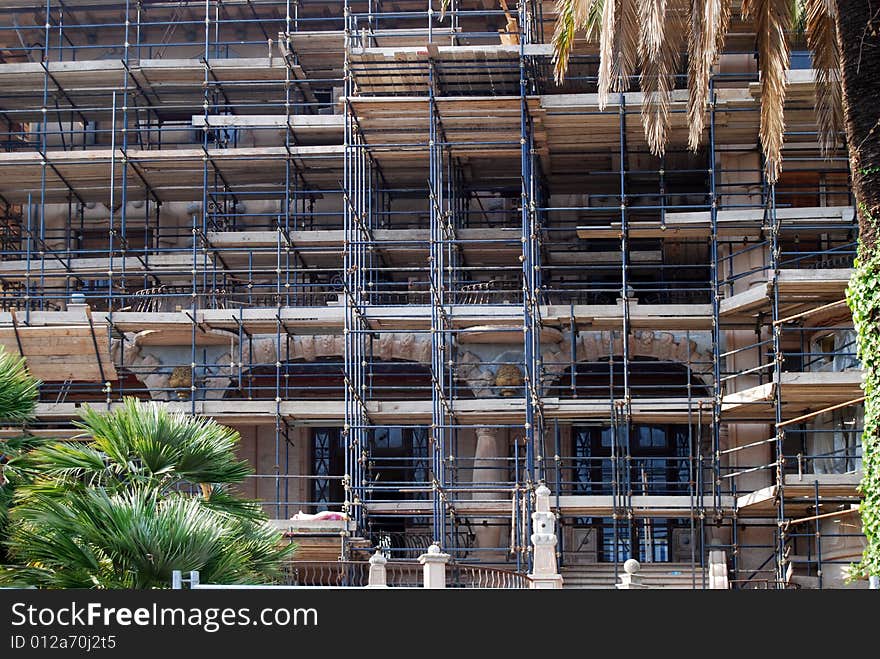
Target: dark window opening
[[647, 378], [324, 378], [397, 467], [639, 460]]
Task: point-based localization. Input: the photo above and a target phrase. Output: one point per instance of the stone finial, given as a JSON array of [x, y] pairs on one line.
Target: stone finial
[[545, 573], [434, 555], [378, 577], [632, 566], [542, 499], [631, 579], [718, 577], [434, 562]]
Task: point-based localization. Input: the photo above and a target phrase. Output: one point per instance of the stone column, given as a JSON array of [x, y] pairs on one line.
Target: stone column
[[435, 567], [544, 574], [489, 467]]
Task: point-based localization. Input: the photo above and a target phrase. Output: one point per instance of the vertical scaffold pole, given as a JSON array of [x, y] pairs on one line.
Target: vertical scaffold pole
[[439, 328], [355, 234], [625, 406], [777, 388], [534, 421], [717, 392]]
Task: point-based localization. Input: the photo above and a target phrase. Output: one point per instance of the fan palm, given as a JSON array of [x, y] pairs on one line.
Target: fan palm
[[144, 492], [18, 399], [18, 390], [134, 538]]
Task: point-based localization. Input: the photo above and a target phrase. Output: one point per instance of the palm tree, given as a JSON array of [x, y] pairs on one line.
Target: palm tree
[[146, 491], [646, 39], [18, 399], [18, 390]]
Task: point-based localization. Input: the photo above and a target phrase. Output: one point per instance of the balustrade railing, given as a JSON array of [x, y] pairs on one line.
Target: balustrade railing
[[399, 575]]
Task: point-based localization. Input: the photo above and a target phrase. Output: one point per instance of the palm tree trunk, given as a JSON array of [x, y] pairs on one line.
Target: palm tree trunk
[[858, 24]]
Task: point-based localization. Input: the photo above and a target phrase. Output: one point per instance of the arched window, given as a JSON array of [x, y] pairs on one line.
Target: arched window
[[647, 378], [324, 378]]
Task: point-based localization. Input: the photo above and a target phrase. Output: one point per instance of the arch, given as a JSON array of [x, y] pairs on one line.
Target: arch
[[154, 368], [402, 346], [646, 378], [324, 378], [661, 346]]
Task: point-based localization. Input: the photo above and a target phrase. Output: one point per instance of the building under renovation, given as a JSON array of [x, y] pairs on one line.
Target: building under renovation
[[421, 278]]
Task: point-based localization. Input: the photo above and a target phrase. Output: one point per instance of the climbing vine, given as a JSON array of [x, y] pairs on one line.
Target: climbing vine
[[863, 297]]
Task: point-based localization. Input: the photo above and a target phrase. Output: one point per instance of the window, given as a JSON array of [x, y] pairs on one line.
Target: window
[[328, 460], [833, 443], [324, 378], [647, 378], [658, 459], [833, 352], [397, 464]]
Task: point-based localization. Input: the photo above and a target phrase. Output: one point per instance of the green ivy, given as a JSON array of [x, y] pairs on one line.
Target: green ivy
[[863, 297]]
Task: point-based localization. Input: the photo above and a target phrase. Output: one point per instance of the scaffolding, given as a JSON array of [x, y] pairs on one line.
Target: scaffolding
[[422, 279]]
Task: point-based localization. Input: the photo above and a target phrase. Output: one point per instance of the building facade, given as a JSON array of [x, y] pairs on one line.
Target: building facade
[[421, 278]]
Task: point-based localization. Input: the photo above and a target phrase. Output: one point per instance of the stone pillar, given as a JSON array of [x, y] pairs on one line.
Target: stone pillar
[[489, 467], [544, 573], [631, 579], [435, 567], [378, 575]]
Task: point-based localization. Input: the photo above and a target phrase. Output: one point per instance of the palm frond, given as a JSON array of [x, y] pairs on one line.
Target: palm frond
[[563, 38], [18, 390], [573, 16], [144, 437], [606, 50], [13, 476], [709, 22], [820, 17], [625, 44], [115, 510], [135, 538], [652, 21], [799, 16], [772, 19], [658, 75], [67, 461]]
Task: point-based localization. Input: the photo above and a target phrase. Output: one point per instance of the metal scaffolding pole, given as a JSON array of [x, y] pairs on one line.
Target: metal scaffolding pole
[[531, 295]]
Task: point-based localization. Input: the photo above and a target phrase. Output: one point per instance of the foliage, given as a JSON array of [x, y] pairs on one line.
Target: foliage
[[636, 36], [145, 492], [644, 39], [18, 390], [134, 538], [144, 442], [18, 400], [863, 297]]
